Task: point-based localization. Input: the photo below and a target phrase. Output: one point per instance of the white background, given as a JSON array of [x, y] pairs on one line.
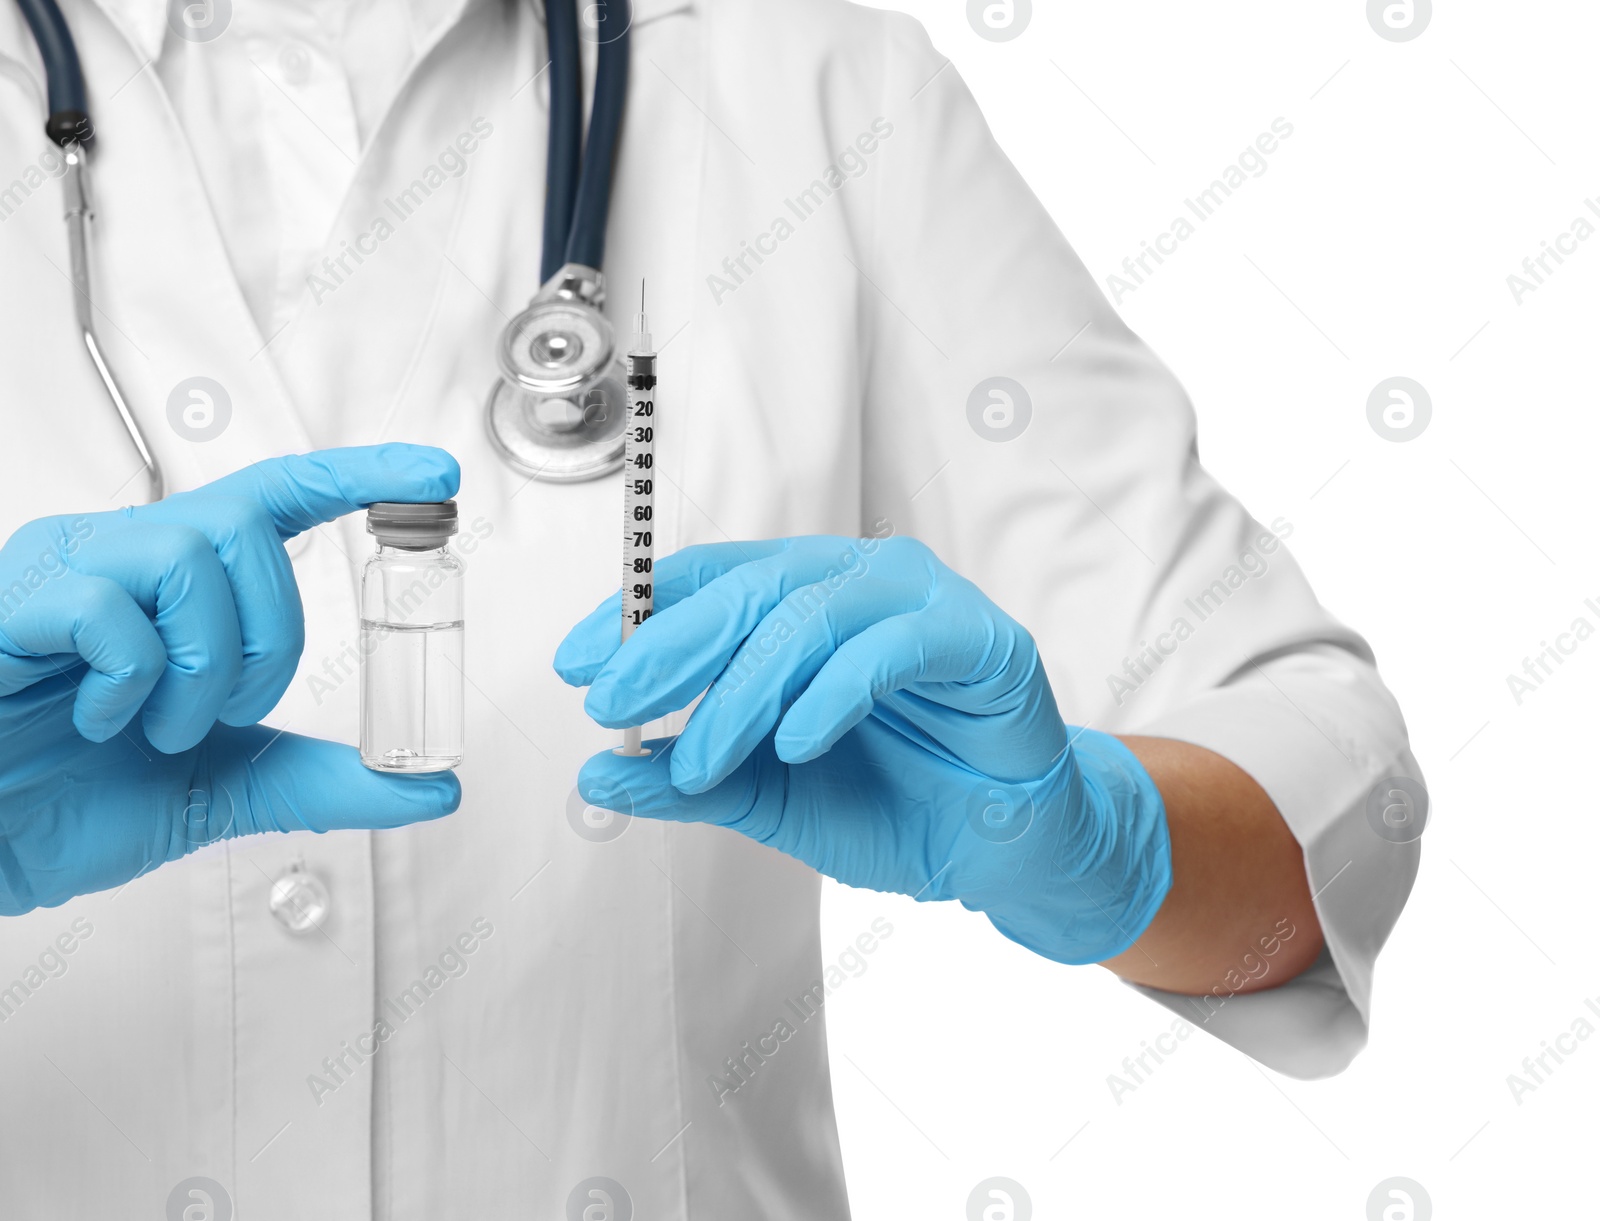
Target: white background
[[1377, 244]]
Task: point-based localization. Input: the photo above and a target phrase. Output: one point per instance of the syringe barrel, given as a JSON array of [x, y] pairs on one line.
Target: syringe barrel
[[638, 474]]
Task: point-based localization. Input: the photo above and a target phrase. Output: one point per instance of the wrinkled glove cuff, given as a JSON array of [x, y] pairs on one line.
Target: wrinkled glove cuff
[[16, 895], [1102, 866]]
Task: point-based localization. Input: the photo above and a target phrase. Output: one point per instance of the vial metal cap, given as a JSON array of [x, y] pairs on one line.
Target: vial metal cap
[[418, 527]]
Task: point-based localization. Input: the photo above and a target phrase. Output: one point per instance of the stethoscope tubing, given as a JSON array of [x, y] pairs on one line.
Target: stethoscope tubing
[[578, 194], [66, 98], [63, 73], [563, 159]]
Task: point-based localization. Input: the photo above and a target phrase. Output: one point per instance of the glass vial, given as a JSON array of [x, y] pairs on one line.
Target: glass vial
[[412, 632]]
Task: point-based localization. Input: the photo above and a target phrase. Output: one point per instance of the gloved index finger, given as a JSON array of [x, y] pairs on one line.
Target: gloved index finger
[[595, 637], [305, 490]]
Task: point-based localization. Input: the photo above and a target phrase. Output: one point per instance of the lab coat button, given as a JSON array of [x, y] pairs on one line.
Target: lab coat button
[[299, 900], [295, 61]]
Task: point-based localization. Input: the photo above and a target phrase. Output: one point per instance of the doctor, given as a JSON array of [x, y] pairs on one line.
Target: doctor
[[996, 641]]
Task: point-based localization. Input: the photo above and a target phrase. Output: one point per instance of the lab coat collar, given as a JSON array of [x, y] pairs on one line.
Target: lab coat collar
[[144, 22]]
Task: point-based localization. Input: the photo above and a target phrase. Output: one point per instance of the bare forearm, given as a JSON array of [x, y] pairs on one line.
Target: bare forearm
[[1238, 880]]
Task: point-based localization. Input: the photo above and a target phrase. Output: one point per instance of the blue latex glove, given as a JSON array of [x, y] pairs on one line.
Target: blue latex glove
[[872, 713], [137, 650]]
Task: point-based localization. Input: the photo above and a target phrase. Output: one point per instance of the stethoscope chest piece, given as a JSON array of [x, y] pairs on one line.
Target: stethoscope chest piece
[[558, 409]]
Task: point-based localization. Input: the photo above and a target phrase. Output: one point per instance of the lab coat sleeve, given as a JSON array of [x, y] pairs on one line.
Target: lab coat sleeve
[[1160, 605]]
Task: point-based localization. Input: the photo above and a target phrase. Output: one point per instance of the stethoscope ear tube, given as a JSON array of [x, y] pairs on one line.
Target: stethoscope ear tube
[[69, 127], [75, 183], [68, 121]]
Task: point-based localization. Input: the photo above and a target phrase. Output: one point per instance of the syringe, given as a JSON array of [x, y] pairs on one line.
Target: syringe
[[638, 496]]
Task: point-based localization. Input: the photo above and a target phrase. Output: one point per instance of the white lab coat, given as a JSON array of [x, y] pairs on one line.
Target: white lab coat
[[820, 388]]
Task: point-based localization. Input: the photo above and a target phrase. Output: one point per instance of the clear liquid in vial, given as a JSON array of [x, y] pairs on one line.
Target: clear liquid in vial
[[412, 696]]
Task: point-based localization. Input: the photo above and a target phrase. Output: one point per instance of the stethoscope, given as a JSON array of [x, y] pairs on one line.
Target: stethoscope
[[558, 408]]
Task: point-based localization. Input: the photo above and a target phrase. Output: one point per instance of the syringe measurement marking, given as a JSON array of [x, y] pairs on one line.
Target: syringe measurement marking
[[638, 514], [638, 542], [638, 497]]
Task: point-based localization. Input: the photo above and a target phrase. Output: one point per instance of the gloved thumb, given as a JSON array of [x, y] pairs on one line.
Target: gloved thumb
[[750, 799], [642, 788], [263, 779]]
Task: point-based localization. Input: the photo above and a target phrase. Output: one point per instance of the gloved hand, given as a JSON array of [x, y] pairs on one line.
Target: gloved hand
[[137, 650], [873, 714]]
